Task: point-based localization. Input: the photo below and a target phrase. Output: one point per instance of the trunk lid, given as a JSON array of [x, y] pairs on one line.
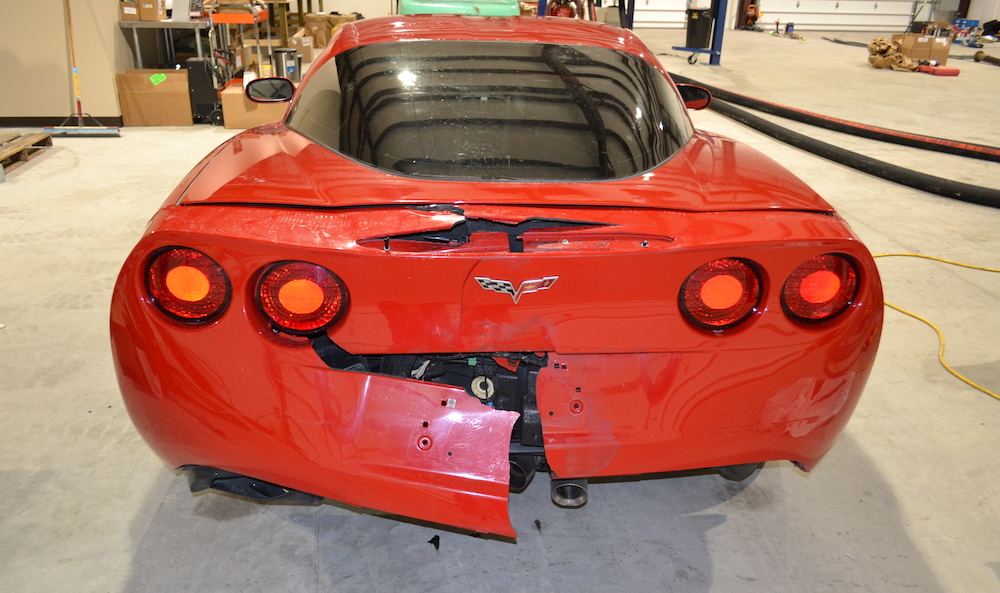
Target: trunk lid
[[273, 165]]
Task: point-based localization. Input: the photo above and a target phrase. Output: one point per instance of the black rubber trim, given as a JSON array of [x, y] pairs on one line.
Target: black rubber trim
[[336, 357], [984, 196], [966, 149], [201, 478]]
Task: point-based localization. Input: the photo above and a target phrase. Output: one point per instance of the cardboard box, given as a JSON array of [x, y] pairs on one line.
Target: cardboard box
[[155, 98], [304, 44], [241, 113], [128, 11], [321, 25], [914, 46], [940, 46], [152, 10], [249, 57], [923, 47]]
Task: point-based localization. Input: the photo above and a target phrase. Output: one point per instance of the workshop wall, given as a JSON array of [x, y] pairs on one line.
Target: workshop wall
[[984, 10], [35, 59]]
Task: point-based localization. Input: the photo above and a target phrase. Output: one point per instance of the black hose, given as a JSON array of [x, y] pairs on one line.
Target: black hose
[[845, 42], [984, 196], [982, 56], [966, 149]]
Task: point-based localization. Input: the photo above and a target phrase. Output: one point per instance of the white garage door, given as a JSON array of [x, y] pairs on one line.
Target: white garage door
[[662, 14], [808, 15], [840, 15]]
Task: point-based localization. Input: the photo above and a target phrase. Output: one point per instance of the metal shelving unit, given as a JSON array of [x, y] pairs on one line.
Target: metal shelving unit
[[254, 15]]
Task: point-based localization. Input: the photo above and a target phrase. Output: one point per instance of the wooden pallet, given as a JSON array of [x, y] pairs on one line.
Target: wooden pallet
[[15, 149]]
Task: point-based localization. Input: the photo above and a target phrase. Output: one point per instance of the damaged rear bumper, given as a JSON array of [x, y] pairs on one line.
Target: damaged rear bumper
[[424, 451]]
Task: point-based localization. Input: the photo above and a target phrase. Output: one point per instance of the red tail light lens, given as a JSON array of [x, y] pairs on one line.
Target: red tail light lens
[[301, 298], [720, 294], [187, 284], [821, 288]]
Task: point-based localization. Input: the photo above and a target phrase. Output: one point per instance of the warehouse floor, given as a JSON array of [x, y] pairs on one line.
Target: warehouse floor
[[907, 500]]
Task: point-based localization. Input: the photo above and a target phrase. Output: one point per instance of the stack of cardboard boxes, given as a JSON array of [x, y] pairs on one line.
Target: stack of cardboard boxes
[[322, 25], [304, 44], [308, 40], [143, 10], [240, 112], [161, 97]]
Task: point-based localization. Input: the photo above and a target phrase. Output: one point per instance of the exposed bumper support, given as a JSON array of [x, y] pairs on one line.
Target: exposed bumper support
[[201, 478]]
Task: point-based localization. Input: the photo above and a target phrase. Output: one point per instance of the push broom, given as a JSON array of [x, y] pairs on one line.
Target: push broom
[[79, 129]]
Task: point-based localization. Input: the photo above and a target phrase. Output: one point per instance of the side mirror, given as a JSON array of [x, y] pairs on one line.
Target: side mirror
[[695, 97], [270, 90]]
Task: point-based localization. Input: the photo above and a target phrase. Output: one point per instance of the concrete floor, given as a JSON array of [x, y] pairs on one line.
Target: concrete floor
[[906, 501]]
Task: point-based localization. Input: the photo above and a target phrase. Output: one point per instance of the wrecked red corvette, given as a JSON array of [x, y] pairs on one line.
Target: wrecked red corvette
[[478, 248]]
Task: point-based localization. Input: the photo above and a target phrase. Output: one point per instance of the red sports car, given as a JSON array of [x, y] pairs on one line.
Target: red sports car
[[477, 248]]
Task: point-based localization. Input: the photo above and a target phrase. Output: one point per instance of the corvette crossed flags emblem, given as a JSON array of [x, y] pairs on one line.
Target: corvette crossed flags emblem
[[507, 287]]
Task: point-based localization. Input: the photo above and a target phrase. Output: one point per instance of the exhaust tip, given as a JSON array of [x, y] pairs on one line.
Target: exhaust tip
[[738, 473], [570, 494], [522, 470]]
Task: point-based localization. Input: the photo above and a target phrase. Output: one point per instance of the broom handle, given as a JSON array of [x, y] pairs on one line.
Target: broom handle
[[76, 73]]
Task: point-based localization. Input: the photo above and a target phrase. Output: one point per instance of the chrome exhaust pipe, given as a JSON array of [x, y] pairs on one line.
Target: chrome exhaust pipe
[[522, 470], [569, 494], [738, 473]]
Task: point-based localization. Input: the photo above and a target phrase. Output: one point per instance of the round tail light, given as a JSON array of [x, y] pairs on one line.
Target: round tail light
[[187, 285], [820, 289], [720, 294], [301, 298]]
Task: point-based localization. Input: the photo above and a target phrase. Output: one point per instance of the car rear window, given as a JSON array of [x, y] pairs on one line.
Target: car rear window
[[493, 110]]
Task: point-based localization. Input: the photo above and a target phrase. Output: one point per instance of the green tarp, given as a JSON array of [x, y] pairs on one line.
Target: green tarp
[[466, 7]]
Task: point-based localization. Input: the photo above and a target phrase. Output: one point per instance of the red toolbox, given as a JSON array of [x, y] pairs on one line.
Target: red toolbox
[[940, 70]]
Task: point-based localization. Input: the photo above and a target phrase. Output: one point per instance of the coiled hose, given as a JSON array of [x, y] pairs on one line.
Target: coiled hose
[[966, 192], [966, 149]]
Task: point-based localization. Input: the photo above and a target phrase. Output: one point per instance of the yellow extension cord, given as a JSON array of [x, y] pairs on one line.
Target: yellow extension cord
[[934, 327]]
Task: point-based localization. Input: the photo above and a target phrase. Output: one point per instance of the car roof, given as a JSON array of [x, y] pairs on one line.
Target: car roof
[[449, 27]]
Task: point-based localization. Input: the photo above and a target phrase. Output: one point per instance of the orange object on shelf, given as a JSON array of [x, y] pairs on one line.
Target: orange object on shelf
[[236, 18]]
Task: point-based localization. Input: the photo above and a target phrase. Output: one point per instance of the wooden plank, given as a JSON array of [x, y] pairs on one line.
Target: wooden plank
[[24, 142], [21, 149], [40, 140]]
